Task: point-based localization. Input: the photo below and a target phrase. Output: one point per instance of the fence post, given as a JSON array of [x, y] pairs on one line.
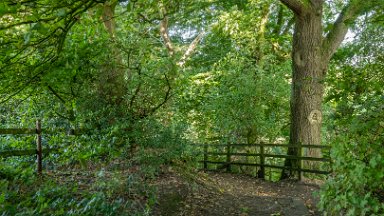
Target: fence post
[[229, 157], [300, 149], [39, 148], [261, 173], [205, 157]]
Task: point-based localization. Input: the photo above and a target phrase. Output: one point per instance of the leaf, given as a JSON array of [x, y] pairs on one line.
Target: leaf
[[5, 9], [2, 198], [373, 162], [27, 38], [61, 12]]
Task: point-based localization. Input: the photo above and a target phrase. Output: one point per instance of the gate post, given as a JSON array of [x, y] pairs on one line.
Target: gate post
[[228, 157], [300, 161], [205, 157], [261, 173], [39, 148]]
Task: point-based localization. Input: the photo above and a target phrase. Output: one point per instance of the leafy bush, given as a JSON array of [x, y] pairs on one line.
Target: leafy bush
[[107, 193], [357, 187]]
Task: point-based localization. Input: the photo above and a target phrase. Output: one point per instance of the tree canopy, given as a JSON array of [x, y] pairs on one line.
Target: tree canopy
[[148, 80]]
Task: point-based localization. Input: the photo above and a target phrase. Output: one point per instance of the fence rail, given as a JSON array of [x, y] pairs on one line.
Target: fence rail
[[272, 156], [31, 131], [39, 151], [267, 145], [25, 152], [15, 131], [227, 151]]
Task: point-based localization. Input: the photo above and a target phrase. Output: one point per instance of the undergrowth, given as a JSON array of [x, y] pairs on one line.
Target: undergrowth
[[75, 192]]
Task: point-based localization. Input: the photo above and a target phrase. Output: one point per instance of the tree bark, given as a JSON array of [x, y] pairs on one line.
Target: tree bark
[[165, 35], [112, 80], [307, 83], [311, 54]]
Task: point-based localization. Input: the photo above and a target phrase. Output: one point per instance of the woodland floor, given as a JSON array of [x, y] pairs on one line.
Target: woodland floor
[[231, 194]]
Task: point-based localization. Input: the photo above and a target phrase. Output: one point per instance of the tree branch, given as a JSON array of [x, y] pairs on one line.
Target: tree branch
[[259, 55], [166, 97], [295, 5], [190, 49], [25, 84], [165, 35], [108, 18], [56, 94], [340, 28], [5, 27], [164, 30]]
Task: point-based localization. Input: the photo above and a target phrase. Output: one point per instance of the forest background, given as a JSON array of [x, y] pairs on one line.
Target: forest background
[[146, 80]]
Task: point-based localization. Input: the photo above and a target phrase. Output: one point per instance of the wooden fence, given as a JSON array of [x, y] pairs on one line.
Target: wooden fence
[[230, 150], [262, 154], [39, 151]]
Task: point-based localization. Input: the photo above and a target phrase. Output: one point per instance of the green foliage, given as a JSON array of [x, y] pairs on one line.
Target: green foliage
[[162, 145], [104, 194], [357, 99], [357, 186], [238, 86], [136, 102]]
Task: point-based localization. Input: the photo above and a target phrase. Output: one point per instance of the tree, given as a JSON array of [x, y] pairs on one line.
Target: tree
[[311, 53]]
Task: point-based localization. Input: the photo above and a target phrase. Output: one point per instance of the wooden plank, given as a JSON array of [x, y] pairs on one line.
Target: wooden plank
[[268, 145], [24, 152], [16, 153], [299, 157], [273, 156], [69, 132], [302, 158], [234, 154], [15, 131], [282, 145], [270, 166]]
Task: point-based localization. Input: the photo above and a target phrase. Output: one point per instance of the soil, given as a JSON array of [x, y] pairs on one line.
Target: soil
[[211, 194]]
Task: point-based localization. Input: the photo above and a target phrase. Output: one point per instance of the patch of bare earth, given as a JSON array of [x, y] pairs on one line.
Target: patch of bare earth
[[221, 194]]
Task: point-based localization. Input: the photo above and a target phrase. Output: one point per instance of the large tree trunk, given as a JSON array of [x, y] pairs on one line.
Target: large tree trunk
[[307, 84], [310, 57], [112, 80]]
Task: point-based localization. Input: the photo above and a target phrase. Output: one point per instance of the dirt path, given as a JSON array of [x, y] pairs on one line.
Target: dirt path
[[229, 194]]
